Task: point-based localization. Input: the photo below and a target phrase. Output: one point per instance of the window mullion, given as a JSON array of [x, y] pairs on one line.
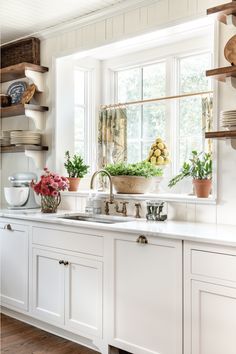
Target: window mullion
[[141, 130]]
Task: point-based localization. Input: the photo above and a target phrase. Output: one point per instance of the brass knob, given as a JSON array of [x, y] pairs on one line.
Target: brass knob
[[142, 239], [61, 261], [66, 263], [8, 227]]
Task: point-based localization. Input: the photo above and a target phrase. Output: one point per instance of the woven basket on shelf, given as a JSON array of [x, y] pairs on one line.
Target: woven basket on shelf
[[25, 50]]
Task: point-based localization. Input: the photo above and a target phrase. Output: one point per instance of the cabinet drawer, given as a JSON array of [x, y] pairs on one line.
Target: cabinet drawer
[[66, 240], [214, 265]]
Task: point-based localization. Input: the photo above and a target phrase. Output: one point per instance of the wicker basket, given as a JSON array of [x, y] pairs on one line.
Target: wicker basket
[[25, 50]]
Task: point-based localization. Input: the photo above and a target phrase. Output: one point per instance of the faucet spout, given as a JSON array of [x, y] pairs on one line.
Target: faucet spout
[[111, 197]]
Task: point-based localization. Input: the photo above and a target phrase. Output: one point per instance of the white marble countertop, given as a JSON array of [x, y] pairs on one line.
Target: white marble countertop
[[200, 232]]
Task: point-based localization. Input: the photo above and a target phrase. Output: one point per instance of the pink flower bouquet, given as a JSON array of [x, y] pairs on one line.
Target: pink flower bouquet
[[49, 187]]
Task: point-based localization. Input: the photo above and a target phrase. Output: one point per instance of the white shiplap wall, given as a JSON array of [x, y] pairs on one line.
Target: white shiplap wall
[[146, 17]]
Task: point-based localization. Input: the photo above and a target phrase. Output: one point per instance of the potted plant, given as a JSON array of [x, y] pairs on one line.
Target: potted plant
[[76, 169], [199, 168], [136, 178]]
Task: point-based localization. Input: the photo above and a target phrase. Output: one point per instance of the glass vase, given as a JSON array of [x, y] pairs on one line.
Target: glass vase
[[49, 204]]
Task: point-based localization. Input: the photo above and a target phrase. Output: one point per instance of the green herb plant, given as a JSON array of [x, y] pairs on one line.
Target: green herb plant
[[198, 167], [75, 166], [143, 169]]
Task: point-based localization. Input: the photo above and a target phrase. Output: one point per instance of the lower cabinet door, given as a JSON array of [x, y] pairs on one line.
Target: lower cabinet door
[[48, 286], [83, 291], [147, 295], [213, 319], [14, 266]]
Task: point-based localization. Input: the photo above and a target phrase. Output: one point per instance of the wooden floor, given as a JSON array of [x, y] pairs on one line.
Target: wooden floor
[[20, 338]]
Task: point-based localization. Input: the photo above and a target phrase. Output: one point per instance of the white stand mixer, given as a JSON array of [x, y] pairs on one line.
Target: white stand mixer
[[21, 195]]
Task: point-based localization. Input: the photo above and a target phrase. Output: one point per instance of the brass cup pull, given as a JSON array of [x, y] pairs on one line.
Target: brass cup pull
[[66, 263], [8, 227], [142, 239], [61, 261]]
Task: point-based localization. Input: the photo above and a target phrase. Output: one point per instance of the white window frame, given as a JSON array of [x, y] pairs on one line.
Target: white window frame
[[172, 88]]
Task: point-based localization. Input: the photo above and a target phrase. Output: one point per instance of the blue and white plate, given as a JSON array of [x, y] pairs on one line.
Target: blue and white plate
[[16, 91]]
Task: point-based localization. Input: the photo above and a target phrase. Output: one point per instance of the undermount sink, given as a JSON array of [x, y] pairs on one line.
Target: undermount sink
[[101, 219]]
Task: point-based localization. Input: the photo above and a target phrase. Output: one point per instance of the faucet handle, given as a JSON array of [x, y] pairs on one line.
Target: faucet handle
[[138, 207]]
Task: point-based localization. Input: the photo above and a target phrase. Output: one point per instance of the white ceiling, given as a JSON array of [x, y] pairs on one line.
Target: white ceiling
[[22, 18]]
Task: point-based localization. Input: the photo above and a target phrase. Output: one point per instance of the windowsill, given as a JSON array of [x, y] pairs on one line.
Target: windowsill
[[168, 197]]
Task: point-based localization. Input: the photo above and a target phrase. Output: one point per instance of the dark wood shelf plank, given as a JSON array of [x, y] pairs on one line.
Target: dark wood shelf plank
[[223, 10], [22, 148], [17, 71], [19, 109], [228, 8], [222, 73], [224, 134]]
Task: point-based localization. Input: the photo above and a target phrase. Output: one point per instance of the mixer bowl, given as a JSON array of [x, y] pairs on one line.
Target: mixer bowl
[[16, 196]]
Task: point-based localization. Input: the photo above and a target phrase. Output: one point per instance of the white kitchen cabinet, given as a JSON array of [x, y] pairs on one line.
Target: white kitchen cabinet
[[14, 266], [213, 319], [210, 299], [48, 286], [83, 296], [67, 291], [146, 296]]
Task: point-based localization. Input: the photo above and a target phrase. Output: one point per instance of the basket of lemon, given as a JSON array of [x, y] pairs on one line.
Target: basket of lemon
[[158, 154]]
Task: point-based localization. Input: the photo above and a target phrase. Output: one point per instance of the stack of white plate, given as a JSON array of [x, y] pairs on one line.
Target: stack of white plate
[[4, 137], [25, 137], [228, 119]]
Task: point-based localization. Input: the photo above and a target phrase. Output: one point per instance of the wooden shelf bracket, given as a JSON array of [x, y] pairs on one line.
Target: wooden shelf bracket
[[230, 20], [231, 80], [37, 156], [233, 143], [37, 117]]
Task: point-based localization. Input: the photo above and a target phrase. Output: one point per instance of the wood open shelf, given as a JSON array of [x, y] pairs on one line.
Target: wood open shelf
[[17, 71], [222, 73], [223, 11], [224, 134], [22, 148], [19, 110]]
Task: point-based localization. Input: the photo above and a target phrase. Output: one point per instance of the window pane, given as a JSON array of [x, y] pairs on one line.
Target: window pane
[[187, 145], [133, 122], [154, 121], [79, 148], [79, 123], [154, 81], [79, 78], [129, 85], [146, 148], [190, 127], [192, 73], [134, 151]]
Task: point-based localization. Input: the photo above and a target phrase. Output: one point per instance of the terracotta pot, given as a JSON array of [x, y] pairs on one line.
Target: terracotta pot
[[132, 184], [74, 184], [202, 187]]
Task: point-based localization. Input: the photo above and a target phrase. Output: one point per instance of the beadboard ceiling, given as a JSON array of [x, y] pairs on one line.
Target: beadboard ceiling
[[22, 18]]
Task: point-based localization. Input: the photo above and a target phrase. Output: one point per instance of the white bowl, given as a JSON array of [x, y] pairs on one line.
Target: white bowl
[[16, 196]]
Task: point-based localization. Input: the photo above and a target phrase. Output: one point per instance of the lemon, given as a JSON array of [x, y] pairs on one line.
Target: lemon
[[157, 152], [153, 160], [159, 140], [165, 152], [160, 146], [150, 153], [160, 160]]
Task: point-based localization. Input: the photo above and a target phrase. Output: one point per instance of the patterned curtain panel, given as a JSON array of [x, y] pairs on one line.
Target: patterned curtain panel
[[112, 136], [207, 121]]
